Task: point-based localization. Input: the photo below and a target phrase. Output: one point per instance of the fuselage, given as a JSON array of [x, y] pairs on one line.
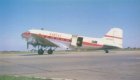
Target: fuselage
[[87, 42], [113, 39]]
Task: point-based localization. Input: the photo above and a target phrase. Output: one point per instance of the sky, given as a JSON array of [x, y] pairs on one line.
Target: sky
[[93, 18]]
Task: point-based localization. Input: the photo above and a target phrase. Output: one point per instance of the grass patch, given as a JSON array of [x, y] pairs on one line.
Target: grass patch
[[6, 77]]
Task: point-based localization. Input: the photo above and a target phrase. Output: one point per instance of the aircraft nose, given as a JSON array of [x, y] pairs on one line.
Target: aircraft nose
[[26, 34]]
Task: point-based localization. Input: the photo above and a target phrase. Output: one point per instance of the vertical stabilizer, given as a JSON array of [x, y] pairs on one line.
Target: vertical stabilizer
[[114, 38]]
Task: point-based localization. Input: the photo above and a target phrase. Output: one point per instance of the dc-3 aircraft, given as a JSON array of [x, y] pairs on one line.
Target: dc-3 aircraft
[[48, 40]]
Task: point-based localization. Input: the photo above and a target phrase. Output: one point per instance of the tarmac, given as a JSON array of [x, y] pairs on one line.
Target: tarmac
[[95, 65]]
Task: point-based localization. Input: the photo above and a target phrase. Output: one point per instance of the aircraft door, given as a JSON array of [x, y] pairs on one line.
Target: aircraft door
[[79, 41], [76, 41]]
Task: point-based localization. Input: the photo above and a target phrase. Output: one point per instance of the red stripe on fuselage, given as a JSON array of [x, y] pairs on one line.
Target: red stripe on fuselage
[[92, 44], [67, 40], [56, 38], [113, 37]]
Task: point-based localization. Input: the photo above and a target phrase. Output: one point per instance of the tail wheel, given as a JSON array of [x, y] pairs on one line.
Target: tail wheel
[[50, 51], [40, 51], [106, 51]]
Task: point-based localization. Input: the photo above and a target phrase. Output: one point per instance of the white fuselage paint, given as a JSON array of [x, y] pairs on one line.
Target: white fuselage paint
[[113, 39], [66, 38]]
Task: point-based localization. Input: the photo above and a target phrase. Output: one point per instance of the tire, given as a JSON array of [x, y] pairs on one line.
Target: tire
[[40, 52], [106, 51], [50, 51]]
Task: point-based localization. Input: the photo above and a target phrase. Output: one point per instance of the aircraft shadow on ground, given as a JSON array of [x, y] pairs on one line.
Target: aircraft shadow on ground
[[32, 55]]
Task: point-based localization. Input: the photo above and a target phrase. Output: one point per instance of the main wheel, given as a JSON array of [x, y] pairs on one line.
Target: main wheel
[[40, 51], [50, 51]]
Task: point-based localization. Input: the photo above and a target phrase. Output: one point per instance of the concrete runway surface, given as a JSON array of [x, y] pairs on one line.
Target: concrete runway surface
[[116, 65]]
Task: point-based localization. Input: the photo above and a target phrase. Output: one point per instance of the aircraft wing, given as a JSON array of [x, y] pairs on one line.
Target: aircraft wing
[[40, 40]]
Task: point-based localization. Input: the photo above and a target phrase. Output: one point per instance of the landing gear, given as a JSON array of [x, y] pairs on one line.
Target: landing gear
[[41, 51], [106, 51], [50, 51]]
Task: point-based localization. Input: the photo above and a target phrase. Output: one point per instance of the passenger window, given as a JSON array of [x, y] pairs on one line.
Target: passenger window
[[94, 41]]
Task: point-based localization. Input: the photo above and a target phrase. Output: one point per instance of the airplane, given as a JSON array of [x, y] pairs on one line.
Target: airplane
[[44, 39]]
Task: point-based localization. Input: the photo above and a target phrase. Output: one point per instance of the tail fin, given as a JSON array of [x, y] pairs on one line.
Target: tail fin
[[114, 38]]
